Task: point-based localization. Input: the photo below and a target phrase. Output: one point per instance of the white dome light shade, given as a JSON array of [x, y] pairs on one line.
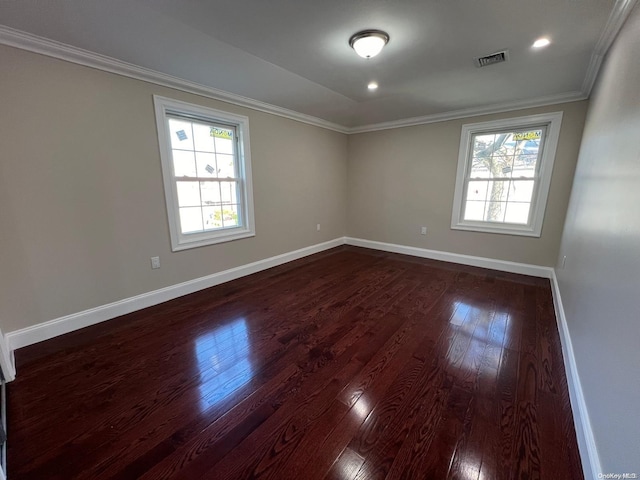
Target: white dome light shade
[[368, 43], [541, 43], [372, 86]]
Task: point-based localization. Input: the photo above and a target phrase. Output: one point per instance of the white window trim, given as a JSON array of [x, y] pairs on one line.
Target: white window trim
[[553, 122], [179, 241]]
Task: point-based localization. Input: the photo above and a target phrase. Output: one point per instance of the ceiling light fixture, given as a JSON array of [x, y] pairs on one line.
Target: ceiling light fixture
[[372, 86], [369, 43], [541, 43]]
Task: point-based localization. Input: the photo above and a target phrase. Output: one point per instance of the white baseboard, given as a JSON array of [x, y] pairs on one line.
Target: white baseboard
[[483, 262], [584, 433], [59, 326]]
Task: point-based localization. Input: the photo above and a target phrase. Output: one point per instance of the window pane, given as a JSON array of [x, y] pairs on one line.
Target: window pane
[[521, 191], [495, 211], [525, 166], [180, 134], [188, 194], [210, 193], [491, 158], [501, 156], [480, 168], [517, 213], [212, 217], [203, 137], [497, 190], [527, 149], [481, 144], [184, 164], [229, 192], [206, 164], [191, 219], [528, 139], [230, 216], [502, 165], [477, 190], [225, 166], [474, 210], [224, 145]]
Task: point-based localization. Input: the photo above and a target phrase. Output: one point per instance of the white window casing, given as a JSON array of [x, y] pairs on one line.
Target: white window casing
[[549, 127], [221, 175]]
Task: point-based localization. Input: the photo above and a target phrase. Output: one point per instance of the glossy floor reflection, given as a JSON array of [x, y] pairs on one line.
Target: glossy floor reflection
[[222, 356], [478, 329], [350, 364]]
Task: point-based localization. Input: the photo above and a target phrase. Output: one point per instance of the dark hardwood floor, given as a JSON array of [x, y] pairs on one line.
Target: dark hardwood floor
[[349, 364]]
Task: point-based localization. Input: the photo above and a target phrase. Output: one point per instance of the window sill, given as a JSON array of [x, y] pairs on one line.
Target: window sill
[[187, 243], [524, 231]]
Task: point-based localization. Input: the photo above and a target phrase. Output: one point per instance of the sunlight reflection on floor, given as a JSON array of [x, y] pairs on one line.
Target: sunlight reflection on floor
[[223, 360]]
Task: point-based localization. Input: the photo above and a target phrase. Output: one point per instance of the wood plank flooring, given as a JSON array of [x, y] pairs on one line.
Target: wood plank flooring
[[349, 364]]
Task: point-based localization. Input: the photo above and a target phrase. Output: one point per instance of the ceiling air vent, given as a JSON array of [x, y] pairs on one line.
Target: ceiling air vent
[[492, 59]]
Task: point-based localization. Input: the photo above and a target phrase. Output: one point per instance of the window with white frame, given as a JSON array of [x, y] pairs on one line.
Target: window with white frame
[[504, 174], [206, 167]]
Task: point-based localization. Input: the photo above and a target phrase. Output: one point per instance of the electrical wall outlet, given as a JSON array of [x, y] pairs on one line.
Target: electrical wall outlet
[[564, 261], [318, 227], [423, 230], [155, 262]]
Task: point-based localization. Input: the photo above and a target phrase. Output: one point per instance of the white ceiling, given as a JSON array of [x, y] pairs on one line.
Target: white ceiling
[[294, 54]]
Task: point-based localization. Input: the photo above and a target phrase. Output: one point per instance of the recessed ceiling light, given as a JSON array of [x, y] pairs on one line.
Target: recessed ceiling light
[[541, 43], [372, 86], [369, 43]]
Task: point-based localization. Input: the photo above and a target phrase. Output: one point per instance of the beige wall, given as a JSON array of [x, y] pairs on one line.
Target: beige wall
[[82, 203], [81, 199], [601, 279], [401, 179]]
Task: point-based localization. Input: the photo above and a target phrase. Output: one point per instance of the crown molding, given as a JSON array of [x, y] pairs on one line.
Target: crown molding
[[617, 17], [472, 112], [51, 48], [33, 43]]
